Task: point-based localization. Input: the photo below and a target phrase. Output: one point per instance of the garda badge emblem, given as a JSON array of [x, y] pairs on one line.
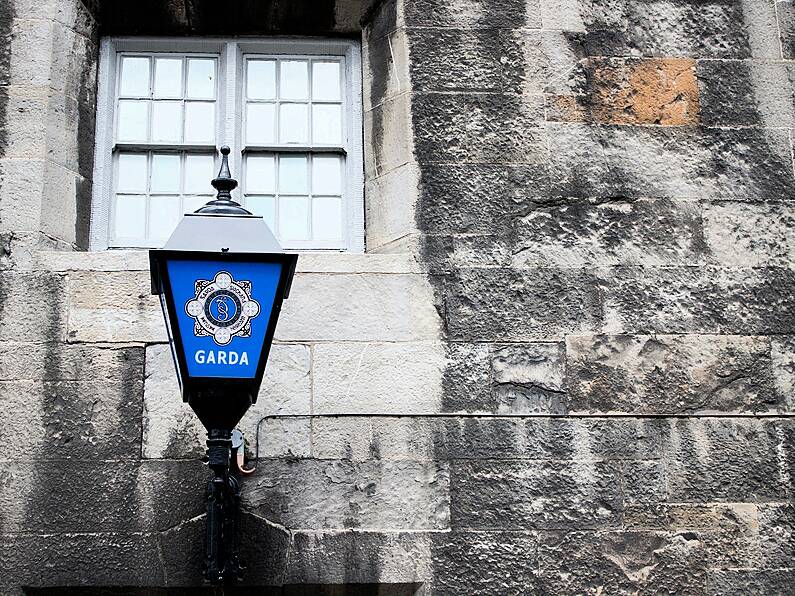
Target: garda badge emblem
[[222, 308]]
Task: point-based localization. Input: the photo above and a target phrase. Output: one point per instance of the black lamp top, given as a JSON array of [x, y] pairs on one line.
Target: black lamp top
[[224, 184]]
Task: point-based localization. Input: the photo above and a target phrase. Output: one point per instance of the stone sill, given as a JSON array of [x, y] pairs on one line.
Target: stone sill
[[138, 260]]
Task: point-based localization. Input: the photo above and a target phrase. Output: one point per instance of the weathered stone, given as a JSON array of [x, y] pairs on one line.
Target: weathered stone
[[703, 29], [724, 460], [786, 23], [32, 307], [48, 559], [21, 178], [509, 305], [742, 93], [671, 374], [484, 562], [79, 496], [621, 563], [738, 582], [529, 378], [478, 128], [477, 199], [393, 560], [750, 234], [311, 494], [359, 308], [345, 438], [385, 61], [473, 14], [390, 207], [629, 161], [783, 356], [386, 131], [580, 233], [642, 482], [114, 307], [472, 61], [465, 383], [513, 495], [699, 300], [660, 91], [776, 535], [365, 378]]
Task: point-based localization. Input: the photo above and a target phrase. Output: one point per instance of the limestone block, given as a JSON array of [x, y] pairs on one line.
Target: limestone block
[[390, 206], [172, 430], [566, 15], [463, 61], [776, 535], [705, 300], [621, 562], [550, 62], [74, 59], [471, 128], [33, 307], [711, 29], [47, 559], [742, 93], [387, 131], [314, 494], [386, 60], [114, 307], [736, 582], [112, 260], [366, 307], [322, 557], [671, 162], [466, 379], [467, 199], [60, 194], [657, 91], [786, 23], [473, 14], [678, 374], [26, 131], [580, 233], [345, 438], [20, 203], [740, 234], [529, 378], [510, 305], [484, 562], [724, 460], [518, 495], [79, 496], [361, 378], [783, 357], [31, 53]]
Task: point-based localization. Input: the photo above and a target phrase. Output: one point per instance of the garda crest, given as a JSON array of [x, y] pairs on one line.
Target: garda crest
[[222, 308]]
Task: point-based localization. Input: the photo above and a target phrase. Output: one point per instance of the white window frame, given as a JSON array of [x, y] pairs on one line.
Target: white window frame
[[230, 120]]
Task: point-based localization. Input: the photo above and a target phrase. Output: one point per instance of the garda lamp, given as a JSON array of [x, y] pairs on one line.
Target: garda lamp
[[221, 278]]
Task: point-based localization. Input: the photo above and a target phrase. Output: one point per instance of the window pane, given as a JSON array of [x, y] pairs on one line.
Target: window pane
[[134, 76], [294, 218], [264, 206], [133, 117], [293, 123], [326, 175], [260, 124], [167, 121], [327, 218], [261, 174], [168, 77], [199, 172], [199, 122], [130, 219], [164, 214], [261, 79], [294, 80], [327, 124], [192, 204], [132, 173], [326, 81], [292, 174], [201, 78], [165, 173]]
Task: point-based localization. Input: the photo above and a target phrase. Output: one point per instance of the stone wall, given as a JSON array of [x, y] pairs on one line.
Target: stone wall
[[565, 366]]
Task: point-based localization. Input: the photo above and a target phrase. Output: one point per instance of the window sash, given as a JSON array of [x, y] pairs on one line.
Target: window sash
[[230, 103]]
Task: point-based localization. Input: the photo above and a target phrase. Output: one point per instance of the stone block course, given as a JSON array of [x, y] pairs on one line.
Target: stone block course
[[32, 307], [628, 161], [472, 14], [785, 10], [671, 375]]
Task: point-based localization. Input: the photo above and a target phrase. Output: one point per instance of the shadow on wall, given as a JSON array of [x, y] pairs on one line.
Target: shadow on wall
[[293, 590]]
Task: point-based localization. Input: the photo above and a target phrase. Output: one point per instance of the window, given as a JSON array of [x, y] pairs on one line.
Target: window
[[290, 110]]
